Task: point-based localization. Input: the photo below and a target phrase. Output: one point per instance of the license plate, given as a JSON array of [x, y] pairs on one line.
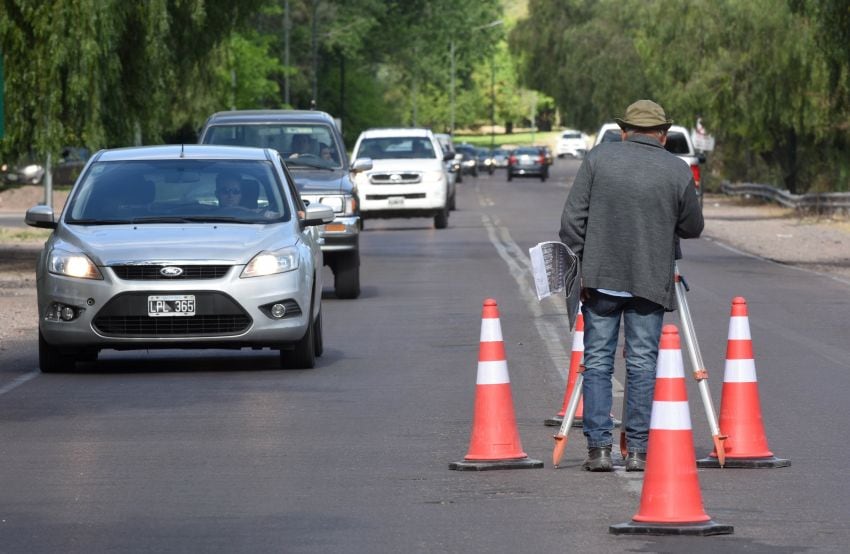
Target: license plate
[[171, 305], [396, 200]]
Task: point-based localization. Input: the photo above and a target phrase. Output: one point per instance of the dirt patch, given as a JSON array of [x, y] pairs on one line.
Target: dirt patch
[[20, 199]]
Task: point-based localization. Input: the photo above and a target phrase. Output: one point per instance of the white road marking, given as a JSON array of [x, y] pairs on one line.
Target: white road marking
[[15, 383]]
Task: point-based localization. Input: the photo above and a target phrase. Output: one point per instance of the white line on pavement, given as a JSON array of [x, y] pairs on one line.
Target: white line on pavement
[[15, 383]]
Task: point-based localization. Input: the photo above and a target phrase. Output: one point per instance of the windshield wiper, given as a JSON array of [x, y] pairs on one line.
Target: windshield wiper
[[99, 222], [191, 219]]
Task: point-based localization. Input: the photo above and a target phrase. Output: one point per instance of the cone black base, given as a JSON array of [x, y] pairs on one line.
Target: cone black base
[[755, 463], [483, 465], [701, 529]]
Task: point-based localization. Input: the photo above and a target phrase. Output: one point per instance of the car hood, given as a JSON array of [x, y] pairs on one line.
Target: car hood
[[320, 181], [203, 242], [431, 164]]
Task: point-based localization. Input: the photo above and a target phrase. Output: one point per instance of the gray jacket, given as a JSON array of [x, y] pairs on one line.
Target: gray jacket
[[629, 202]]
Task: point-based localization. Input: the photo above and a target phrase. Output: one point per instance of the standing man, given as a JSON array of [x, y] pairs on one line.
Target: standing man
[[630, 202]]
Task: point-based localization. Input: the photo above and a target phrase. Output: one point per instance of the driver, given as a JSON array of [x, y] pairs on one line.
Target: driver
[[228, 189]]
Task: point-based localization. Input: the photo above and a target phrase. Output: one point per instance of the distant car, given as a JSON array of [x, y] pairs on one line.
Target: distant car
[[468, 159], [71, 162], [484, 160], [500, 158], [314, 152], [407, 179], [152, 251], [678, 143], [528, 161], [572, 143]]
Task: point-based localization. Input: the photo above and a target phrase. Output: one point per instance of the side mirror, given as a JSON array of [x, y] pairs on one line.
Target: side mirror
[[318, 214], [361, 164], [40, 216], [448, 156], [701, 157]]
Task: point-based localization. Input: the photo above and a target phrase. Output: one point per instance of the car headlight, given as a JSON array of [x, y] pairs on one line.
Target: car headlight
[[333, 202], [270, 263], [72, 264]]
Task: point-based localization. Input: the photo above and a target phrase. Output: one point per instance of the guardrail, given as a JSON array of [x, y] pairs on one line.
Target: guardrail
[[819, 201]]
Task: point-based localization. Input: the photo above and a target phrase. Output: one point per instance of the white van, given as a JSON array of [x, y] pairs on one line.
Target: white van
[[408, 176]]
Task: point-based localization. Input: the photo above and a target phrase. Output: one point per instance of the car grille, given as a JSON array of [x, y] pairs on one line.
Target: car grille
[[216, 315], [395, 178], [152, 272]]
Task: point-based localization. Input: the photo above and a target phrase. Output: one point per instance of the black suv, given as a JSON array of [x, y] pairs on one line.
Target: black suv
[[311, 146]]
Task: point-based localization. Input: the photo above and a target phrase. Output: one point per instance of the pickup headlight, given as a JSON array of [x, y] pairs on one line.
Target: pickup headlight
[[269, 263], [72, 264]]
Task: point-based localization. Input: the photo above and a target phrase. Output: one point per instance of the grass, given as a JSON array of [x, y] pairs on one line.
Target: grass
[[514, 139], [10, 234]]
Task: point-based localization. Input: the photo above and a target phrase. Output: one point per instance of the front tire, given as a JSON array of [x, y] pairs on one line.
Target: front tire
[[51, 359], [347, 275], [441, 220], [303, 355], [510, 175], [318, 338]]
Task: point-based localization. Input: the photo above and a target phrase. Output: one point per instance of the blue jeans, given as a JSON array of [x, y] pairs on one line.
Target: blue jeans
[[642, 326]]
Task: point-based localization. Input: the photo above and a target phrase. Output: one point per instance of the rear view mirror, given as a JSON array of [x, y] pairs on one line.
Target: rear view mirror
[[40, 216]]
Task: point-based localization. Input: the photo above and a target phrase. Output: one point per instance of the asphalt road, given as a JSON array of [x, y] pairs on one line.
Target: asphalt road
[[222, 452]]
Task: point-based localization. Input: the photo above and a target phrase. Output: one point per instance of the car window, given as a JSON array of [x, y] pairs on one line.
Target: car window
[[152, 191], [571, 136], [677, 143], [311, 144], [386, 148]]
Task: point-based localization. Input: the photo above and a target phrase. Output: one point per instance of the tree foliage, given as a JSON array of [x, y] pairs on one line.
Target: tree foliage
[[769, 78]]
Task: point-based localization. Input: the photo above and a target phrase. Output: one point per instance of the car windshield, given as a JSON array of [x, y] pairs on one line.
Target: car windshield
[[527, 151], [179, 191], [571, 136], [389, 148], [300, 145]]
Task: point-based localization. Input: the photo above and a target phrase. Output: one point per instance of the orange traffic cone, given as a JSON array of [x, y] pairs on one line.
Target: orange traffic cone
[[740, 409], [495, 442], [575, 361], [671, 502]]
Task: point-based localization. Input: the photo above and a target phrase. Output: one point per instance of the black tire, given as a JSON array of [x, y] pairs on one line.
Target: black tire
[[475, 172], [346, 271], [441, 220], [318, 337], [459, 177], [543, 177], [490, 170], [51, 359], [510, 175], [452, 205], [303, 355]]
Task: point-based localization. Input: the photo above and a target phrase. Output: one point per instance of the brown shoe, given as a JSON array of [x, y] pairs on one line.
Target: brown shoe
[[599, 459], [636, 461]]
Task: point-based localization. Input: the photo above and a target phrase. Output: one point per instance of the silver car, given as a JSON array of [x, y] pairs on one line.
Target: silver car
[[180, 247]]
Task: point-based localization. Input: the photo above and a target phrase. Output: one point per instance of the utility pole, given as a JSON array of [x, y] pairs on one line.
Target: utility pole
[[315, 47], [286, 32], [452, 88]]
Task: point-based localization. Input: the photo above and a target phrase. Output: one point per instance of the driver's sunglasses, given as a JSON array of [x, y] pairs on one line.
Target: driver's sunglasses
[[232, 191]]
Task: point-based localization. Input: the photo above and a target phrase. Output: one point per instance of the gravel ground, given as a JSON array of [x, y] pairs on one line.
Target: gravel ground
[[820, 244]]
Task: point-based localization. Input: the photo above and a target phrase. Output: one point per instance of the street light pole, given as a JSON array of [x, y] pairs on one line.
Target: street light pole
[[495, 23]]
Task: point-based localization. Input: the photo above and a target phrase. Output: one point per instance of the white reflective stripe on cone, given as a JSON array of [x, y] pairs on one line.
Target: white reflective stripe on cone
[[670, 416], [492, 373], [669, 364], [739, 328], [491, 330], [739, 371], [578, 341]]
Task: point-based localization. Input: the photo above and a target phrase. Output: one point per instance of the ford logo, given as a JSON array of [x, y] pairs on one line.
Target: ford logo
[[171, 271]]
